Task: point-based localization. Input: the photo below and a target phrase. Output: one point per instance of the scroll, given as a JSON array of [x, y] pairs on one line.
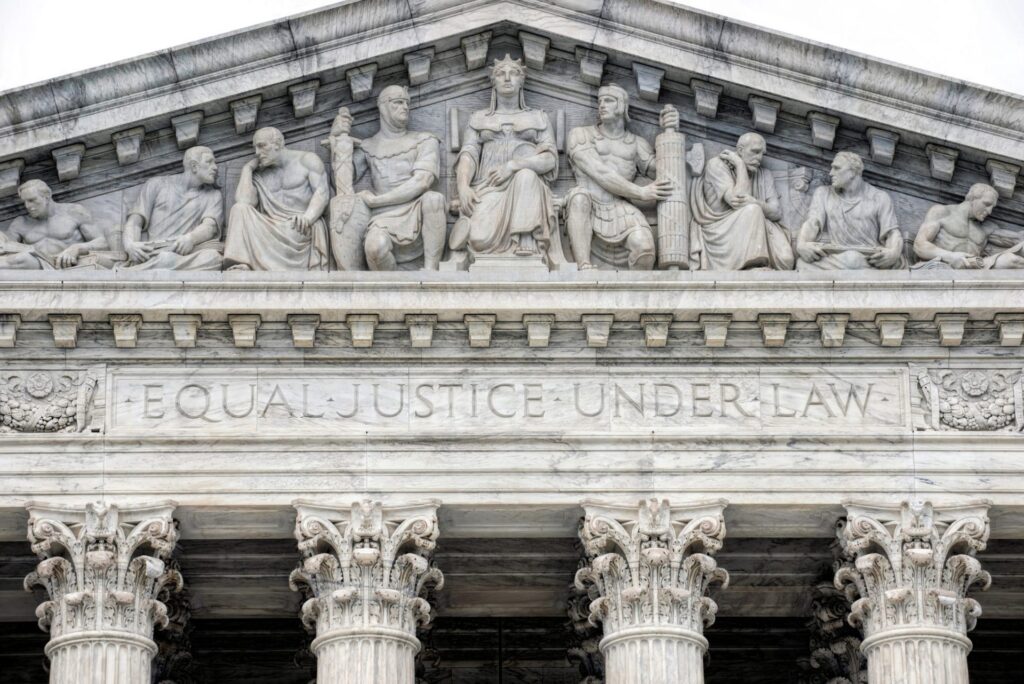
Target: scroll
[[674, 212]]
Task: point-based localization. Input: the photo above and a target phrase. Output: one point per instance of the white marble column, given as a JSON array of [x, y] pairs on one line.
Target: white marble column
[[909, 572], [102, 567], [366, 568], [651, 565]]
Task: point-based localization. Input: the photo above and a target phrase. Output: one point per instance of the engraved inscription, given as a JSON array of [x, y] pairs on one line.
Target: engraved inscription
[[621, 400]]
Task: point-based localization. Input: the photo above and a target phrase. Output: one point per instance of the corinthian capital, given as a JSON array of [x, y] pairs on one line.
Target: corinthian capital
[[912, 565], [103, 567], [366, 566], [651, 564]]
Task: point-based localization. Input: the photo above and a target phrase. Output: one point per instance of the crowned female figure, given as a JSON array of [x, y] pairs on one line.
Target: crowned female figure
[[507, 160]]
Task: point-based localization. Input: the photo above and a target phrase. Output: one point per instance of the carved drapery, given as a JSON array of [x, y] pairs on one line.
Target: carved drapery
[[910, 570], [651, 566], [103, 568], [366, 568]]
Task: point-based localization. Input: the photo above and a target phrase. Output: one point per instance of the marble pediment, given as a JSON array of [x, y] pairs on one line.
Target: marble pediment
[[95, 137]]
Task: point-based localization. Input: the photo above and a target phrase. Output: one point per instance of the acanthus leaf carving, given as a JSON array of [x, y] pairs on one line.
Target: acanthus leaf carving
[[371, 557], [652, 565], [913, 566], [103, 568]]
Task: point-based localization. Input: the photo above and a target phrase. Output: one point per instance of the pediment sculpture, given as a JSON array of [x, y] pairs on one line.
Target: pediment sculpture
[[622, 201]]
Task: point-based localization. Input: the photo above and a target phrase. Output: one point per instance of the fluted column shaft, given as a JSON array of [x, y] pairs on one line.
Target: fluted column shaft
[[99, 658], [365, 568], [649, 569], [917, 656], [366, 655], [654, 655], [909, 569], [103, 569]]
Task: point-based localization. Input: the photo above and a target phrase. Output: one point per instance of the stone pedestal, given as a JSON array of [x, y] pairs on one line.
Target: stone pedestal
[[911, 568], [365, 568], [103, 568], [651, 567]]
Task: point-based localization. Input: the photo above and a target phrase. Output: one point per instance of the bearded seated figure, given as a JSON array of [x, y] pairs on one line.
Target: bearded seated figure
[[736, 213]]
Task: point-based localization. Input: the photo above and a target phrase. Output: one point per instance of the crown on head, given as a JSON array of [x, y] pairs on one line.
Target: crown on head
[[508, 61]]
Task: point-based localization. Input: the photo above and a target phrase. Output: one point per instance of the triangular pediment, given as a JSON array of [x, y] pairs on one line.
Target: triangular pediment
[[100, 133]]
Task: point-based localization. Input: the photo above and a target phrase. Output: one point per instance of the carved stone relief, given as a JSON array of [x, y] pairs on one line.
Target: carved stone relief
[[504, 169], [401, 221], [182, 216], [50, 401], [53, 235], [602, 218], [277, 221], [584, 636], [960, 236], [736, 212], [835, 656], [972, 399], [174, 663], [850, 224], [104, 569]]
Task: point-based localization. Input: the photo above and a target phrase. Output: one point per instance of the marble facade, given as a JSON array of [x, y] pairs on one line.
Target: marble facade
[[388, 437]]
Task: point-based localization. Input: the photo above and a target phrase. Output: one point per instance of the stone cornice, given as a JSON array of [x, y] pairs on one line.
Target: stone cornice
[[90, 105], [274, 296]]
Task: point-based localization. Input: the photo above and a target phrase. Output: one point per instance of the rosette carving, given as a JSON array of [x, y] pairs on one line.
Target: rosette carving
[[45, 401], [103, 568], [912, 566], [651, 564], [367, 566], [975, 400]]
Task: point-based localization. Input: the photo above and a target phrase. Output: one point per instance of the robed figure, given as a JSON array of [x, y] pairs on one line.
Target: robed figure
[[277, 222], [504, 168], [736, 213]]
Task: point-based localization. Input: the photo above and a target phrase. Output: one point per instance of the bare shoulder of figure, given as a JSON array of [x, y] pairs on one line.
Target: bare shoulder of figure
[[79, 212], [17, 225], [937, 212], [312, 162]]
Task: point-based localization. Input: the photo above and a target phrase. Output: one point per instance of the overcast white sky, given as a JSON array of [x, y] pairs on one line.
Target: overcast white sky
[[980, 41]]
